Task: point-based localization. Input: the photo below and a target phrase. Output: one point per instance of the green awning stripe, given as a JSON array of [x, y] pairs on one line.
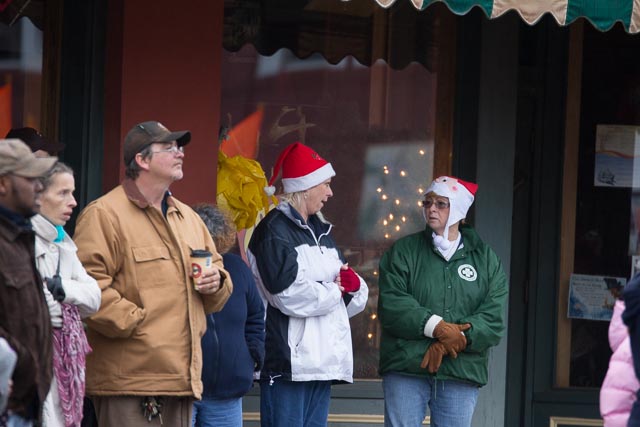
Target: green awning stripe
[[603, 14], [461, 7]]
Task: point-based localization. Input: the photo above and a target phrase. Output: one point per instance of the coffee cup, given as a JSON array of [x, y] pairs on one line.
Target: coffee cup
[[201, 259]]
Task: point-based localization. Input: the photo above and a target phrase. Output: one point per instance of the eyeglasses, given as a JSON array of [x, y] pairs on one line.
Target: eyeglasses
[[440, 205], [174, 149]]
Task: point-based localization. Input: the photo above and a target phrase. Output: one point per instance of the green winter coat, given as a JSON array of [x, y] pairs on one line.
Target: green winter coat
[[417, 282]]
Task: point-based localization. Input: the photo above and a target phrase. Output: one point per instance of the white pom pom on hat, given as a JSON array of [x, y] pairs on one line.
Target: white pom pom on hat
[[461, 195], [301, 168]]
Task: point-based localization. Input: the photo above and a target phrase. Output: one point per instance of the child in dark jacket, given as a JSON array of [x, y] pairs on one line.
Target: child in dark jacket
[[631, 318], [233, 346]]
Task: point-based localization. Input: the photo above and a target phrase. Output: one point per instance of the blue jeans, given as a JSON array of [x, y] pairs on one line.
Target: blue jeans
[[451, 403], [210, 412], [294, 404]]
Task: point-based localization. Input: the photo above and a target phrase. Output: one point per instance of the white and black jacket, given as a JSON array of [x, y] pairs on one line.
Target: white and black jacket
[[308, 337]]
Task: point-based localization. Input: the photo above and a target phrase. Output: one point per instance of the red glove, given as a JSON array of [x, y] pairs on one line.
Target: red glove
[[349, 280]]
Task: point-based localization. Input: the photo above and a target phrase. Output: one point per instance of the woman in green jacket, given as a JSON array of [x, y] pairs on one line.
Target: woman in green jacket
[[442, 307]]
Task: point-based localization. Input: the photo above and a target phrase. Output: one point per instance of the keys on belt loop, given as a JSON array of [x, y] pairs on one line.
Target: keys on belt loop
[[152, 408]]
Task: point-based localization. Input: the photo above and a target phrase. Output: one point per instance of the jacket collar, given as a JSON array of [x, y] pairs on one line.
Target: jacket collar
[[469, 240], [13, 225], [313, 222], [470, 237], [45, 230], [136, 197], [17, 219]]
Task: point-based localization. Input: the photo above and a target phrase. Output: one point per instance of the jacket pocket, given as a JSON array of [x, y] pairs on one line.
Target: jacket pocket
[[296, 332], [152, 266], [17, 278], [150, 253]]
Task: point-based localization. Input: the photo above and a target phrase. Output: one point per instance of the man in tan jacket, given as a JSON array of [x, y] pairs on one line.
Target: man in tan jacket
[[136, 241]]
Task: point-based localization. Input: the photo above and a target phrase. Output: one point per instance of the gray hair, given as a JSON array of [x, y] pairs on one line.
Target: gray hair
[[57, 168], [132, 170], [219, 224]]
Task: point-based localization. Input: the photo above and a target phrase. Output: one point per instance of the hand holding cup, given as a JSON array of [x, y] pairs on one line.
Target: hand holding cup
[[209, 282], [206, 277]]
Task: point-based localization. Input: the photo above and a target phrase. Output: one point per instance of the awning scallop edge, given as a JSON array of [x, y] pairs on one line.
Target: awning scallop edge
[[603, 14]]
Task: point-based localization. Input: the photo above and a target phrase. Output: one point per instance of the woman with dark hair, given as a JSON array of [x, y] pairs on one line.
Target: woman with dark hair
[[233, 346], [70, 293]]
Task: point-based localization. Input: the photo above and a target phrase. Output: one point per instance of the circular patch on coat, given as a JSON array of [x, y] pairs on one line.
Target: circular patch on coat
[[467, 272]]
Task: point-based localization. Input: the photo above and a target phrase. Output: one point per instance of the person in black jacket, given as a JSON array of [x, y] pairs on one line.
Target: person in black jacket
[[310, 293], [631, 318], [233, 346], [24, 316]]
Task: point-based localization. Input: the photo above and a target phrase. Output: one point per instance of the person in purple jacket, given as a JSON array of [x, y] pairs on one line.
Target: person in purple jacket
[[631, 318], [233, 346]]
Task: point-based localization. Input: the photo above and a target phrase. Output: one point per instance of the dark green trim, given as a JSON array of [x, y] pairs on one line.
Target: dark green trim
[[467, 94], [603, 15], [461, 7], [82, 95], [531, 396]]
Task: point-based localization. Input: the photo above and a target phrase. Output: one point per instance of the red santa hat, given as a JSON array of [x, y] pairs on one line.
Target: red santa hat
[[461, 195], [301, 168]]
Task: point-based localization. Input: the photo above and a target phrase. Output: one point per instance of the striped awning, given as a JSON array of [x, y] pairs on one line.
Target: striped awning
[[603, 14]]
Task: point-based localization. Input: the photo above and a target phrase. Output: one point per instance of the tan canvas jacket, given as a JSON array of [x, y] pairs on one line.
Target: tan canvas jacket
[[146, 335]]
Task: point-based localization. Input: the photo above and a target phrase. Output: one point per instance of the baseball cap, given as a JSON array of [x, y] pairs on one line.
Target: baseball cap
[[35, 140], [17, 158], [146, 133]]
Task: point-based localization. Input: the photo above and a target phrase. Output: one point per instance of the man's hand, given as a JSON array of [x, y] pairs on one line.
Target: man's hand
[[451, 336], [209, 282], [433, 357]]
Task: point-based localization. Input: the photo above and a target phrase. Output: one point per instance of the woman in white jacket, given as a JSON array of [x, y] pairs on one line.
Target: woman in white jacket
[[71, 295], [310, 293]]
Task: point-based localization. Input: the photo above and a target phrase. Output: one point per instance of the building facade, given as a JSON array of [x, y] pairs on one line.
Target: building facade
[[543, 117]]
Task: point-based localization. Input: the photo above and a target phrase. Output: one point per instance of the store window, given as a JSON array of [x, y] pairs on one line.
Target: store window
[[20, 75], [606, 214], [380, 120]]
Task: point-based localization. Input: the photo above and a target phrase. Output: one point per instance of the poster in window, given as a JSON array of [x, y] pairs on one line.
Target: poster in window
[[593, 297], [617, 162]]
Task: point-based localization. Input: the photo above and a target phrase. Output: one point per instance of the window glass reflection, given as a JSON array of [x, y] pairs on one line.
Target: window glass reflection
[[374, 124]]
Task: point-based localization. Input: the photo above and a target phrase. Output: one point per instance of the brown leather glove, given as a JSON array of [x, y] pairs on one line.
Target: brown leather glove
[[433, 357], [451, 336]]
